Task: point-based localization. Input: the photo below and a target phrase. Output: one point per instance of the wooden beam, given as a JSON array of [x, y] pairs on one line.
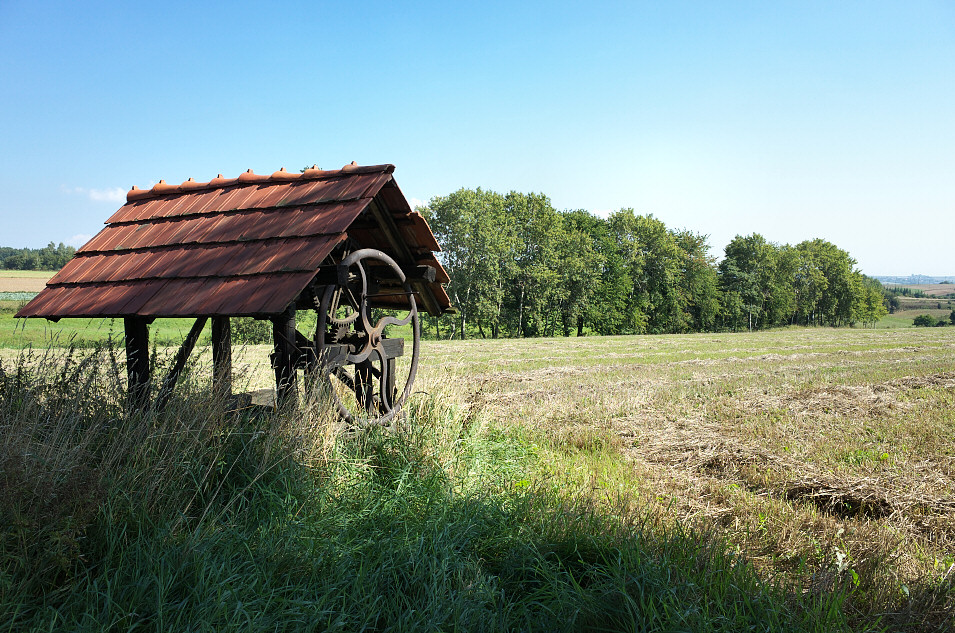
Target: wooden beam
[[284, 354], [137, 362], [390, 228], [181, 357], [222, 356], [412, 273], [405, 257]]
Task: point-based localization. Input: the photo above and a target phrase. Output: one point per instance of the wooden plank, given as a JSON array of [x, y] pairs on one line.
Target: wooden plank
[[222, 355], [180, 363], [404, 256], [137, 362], [412, 273], [393, 347], [284, 355]]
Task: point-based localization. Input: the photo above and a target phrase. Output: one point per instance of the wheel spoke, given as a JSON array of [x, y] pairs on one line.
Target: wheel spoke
[[371, 395]]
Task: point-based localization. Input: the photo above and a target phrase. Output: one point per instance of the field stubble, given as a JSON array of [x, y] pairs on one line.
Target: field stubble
[[835, 447], [826, 457], [24, 281], [279, 520], [799, 444]]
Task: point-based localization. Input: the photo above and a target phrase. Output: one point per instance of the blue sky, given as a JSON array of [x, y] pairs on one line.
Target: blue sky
[[795, 120]]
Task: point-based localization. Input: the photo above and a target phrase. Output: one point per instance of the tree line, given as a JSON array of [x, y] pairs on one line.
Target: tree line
[[50, 257], [521, 268]]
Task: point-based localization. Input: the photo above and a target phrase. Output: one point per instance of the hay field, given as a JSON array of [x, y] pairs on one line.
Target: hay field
[[825, 456], [804, 442], [932, 290], [836, 445], [24, 280]]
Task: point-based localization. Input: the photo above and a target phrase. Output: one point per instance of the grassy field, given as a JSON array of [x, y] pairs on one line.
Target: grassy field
[[911, 307], [27, 274], [924, 303], [821, 455], [794, 480], [40, 333], [932, 290], [24, 280], [801, 479]]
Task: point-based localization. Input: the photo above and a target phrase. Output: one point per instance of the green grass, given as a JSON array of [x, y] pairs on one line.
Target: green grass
[[798, 445], [789, 480], [204, 519], [905, 318], [40, 333], [37, 274]]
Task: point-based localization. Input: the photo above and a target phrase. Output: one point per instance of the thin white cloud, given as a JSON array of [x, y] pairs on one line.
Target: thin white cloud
[[78, 240], [415, 203], [112, 194]]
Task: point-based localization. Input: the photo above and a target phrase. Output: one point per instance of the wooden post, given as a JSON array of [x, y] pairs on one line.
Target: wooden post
[[180, 363], [364, 387], [284, 356], [137, 362], [222, 356]]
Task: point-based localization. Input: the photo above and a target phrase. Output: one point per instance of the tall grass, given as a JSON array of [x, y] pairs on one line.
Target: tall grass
[[206, 518]]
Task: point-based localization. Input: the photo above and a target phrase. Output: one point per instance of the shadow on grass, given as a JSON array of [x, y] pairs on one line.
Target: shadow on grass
[[208, 519]]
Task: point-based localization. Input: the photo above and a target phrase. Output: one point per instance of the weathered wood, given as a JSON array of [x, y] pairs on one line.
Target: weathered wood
[[180, 363], [393, 347], [392, 233], [389, 385], [404, 256], [284, 355], [365, 386], [411, 273], [222, 356], [137, 362]]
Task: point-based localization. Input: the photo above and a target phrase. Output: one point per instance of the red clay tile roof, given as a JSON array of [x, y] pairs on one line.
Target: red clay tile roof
[[238, 246]]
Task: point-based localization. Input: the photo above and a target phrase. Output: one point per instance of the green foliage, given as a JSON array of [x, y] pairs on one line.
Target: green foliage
[[478, 240], [748, 272], [908, 292], [50, 257], [699, 282], [924, 320], [519, 268], [654, 261], [814, 283], [249, 331]]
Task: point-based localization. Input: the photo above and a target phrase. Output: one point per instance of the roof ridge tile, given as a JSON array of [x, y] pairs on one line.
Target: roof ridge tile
[[162, 188]]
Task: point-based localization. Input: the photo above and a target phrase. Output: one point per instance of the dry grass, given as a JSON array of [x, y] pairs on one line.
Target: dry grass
[[830, 446], [824, 456], [21, 281], [932, 290]]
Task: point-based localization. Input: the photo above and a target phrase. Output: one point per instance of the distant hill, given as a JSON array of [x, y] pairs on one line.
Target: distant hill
[[912, 280]]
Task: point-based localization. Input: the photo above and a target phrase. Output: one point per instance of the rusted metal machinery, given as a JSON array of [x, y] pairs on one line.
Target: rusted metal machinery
[[346, 336], [351, 356], [344, 243]]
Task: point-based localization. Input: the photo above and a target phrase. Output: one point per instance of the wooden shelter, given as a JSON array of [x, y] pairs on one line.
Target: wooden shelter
[[260, 246]]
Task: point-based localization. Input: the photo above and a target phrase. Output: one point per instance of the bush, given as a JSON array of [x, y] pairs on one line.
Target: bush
[[249, 331], [924, 320]]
